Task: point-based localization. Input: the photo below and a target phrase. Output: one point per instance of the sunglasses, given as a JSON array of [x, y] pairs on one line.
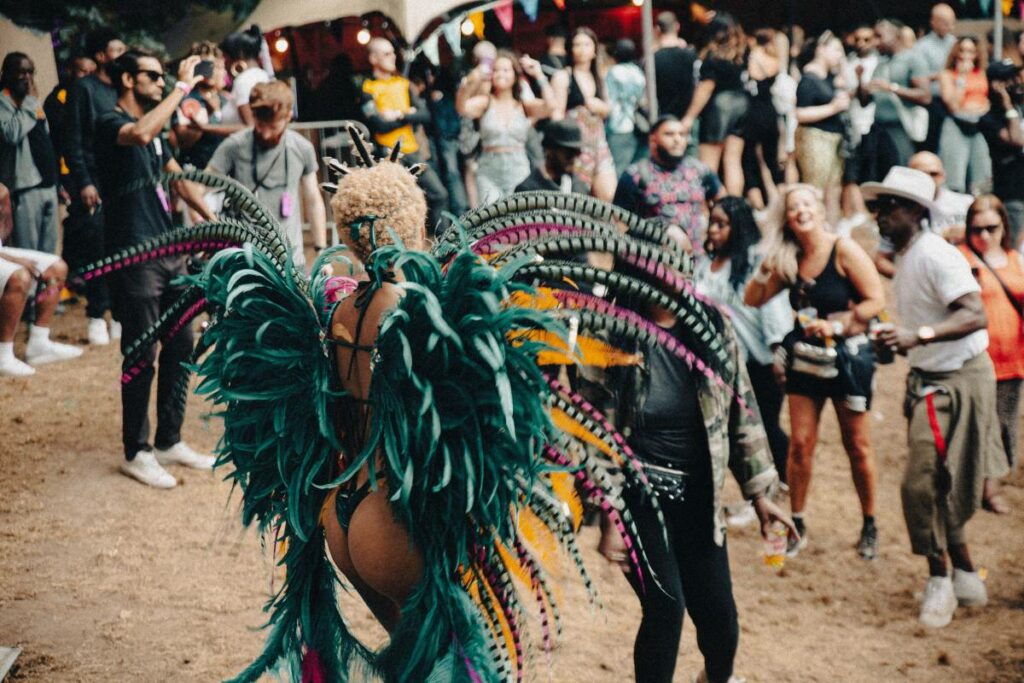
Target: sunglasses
[[885, 203], [990, 229], [153, 75]]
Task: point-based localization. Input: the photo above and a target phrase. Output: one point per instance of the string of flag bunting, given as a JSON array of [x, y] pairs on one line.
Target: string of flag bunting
[[451, 30]]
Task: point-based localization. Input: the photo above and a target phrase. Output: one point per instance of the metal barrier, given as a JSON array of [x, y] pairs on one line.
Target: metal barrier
[[329, 139]]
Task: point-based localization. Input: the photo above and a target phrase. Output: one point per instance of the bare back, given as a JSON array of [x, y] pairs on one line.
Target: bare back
[[375, 552]]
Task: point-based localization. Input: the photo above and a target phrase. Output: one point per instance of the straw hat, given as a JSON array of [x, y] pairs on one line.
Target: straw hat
[[907, 183]]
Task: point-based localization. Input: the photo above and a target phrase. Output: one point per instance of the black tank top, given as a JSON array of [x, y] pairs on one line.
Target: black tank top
[[828, 293], [575, 97]]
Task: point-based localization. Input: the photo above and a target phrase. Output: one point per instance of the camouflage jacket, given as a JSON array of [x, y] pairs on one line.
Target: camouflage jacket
[[736, 437]]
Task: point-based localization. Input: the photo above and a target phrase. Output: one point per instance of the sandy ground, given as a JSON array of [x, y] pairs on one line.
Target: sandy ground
[[102, 579]]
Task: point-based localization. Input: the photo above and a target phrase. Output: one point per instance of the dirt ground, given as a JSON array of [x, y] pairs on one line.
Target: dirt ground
[[102, 579]]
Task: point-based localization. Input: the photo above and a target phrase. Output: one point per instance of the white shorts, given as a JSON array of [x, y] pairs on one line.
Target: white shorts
[[42, 261]]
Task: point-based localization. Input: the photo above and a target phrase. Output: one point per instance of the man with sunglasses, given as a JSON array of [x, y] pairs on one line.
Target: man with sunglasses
[[953, 431], [947, 216], [131, 153]]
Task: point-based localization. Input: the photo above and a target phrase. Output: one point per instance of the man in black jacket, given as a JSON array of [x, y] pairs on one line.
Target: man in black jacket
[[89, 98]]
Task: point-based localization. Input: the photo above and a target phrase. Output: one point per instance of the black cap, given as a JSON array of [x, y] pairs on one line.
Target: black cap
[[565, 133], [556, 30], [1002, 71], [625, 50]]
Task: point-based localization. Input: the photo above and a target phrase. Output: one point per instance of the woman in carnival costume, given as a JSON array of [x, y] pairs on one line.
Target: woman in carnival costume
[[406, 425]]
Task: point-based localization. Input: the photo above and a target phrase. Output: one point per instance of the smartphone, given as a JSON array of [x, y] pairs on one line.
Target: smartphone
[[487, 64], [205, 68]]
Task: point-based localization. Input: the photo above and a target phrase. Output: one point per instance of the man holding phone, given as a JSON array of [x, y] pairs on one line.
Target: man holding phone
[[131, 153]]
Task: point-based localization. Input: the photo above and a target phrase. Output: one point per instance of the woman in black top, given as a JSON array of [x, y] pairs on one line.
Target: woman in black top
[[762, 132], [721, 101], [836, 291], [819, 108]]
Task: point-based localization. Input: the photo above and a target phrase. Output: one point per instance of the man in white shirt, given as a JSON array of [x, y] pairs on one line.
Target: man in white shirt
[[953, 430], [947, 216], [860, 69]]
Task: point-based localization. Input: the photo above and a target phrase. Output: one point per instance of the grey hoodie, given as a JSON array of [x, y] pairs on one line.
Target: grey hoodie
[[17, 168]]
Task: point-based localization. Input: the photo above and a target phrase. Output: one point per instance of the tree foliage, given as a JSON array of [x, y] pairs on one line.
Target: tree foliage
[[139, 21]]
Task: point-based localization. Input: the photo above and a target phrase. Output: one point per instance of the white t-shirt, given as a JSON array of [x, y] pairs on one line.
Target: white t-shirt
[[862, 116], [929, 277], [951, 209], [242, 87]]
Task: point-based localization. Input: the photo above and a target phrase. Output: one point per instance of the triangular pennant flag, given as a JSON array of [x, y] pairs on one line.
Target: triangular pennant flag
[[530, 8], [505, 12], [560, 4], [1007, 8], [986, 7], [430, 49], [477, 19], [453, 35]]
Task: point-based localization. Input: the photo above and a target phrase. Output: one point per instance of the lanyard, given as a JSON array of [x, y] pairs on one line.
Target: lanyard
[[257, 181]]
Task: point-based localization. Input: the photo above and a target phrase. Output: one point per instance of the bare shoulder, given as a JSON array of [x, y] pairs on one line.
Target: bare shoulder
[[849, 253], [346, 316]]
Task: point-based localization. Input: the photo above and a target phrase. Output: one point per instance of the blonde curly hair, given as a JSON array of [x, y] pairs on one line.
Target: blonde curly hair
[[378, 198]]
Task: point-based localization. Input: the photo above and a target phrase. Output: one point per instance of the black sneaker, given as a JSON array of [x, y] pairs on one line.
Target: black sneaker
[[867, 546], [794, 546]]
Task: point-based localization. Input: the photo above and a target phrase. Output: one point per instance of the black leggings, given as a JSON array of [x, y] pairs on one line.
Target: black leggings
[[769, 397], [693, 574]]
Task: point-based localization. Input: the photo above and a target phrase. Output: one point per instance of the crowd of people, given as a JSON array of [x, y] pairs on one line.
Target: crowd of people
[[769, 151]]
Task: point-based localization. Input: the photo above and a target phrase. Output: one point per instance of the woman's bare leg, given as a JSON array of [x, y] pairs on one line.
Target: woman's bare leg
[[732, 165], [804, 415], [855, 428]]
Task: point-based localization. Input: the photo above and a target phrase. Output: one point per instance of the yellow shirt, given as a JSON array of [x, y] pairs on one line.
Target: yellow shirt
[[392, 93]]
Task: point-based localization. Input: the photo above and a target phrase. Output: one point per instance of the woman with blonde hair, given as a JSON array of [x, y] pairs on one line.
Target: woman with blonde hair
[[580, 95], [505, 122], [964, 90], [836, 291]]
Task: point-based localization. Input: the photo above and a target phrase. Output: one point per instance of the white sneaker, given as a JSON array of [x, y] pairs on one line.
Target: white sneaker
[[146, 469], [969, 589], [182, 454], [12, 367], [50, 352], [98, 335], [939, 602]]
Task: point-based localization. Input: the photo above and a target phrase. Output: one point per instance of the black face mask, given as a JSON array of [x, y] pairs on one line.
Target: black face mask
[[666, 159]]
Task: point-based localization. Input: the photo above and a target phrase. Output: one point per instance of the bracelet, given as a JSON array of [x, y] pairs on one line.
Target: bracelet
[[184, 87], [838, 328], [1012, 114]]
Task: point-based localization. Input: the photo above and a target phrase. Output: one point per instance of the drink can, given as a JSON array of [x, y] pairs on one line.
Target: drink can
[[775, 546]]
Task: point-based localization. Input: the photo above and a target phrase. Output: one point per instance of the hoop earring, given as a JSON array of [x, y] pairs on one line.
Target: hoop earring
[[236, 69]]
